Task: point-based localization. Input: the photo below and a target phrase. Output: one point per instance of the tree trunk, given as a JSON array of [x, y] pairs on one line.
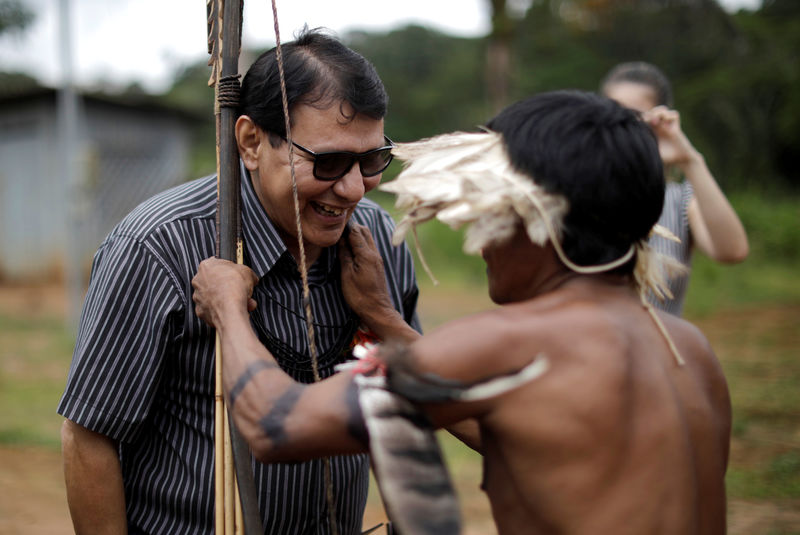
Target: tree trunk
[[498, 57]]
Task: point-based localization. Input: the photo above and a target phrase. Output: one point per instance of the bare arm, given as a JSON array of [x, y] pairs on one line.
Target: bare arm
[[716, 229], [281, 419], [93, 477]]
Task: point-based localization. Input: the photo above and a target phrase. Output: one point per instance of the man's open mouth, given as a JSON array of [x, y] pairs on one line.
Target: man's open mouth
[[326, 210]]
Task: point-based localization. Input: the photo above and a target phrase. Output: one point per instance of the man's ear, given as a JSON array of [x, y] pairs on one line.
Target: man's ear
[[248, 138]]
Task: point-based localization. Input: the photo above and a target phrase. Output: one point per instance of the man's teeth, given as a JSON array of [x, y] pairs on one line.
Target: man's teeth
[[327, 210]]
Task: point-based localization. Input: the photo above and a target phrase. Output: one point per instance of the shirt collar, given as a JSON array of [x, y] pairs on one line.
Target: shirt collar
[[263, 245]]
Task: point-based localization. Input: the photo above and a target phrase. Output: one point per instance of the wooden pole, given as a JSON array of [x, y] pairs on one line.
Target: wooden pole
[[229, 479], [219, 449], [232, 457]]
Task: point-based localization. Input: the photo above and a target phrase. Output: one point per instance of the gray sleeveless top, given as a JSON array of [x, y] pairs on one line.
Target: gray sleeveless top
[[675, 217]]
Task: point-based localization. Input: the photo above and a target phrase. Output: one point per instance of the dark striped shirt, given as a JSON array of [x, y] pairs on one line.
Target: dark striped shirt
[[675, 217], [143, 368]]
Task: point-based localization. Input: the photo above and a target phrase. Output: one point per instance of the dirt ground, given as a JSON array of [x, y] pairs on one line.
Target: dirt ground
[[32, 496], [32, 501]]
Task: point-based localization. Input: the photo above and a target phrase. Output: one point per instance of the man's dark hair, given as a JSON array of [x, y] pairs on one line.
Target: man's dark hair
[[319, 71], [602, 157], [643, 73]]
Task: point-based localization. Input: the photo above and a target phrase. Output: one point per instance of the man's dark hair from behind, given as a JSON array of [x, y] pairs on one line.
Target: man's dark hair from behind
[[602, 157], [319, 71]]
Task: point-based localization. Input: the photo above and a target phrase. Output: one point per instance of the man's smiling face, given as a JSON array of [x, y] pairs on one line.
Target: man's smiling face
[[325, 206]]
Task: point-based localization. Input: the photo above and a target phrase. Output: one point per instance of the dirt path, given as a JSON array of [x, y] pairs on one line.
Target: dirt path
[[32, 496], [32, 501]]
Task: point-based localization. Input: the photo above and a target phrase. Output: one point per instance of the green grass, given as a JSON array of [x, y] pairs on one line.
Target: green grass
[[770, 273], [776, 478], [759, 355], [34, 358]]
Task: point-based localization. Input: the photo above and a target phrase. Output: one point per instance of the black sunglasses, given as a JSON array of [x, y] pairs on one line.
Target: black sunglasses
[[335, 164]]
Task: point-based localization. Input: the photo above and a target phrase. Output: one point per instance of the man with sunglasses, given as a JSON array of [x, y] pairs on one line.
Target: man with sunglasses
[[138, 439]]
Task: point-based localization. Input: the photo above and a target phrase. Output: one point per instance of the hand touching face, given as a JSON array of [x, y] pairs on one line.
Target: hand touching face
[[363, 278]]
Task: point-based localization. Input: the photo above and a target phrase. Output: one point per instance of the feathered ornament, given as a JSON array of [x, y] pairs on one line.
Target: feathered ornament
[[654, 268], [410, 471], [468, 179]]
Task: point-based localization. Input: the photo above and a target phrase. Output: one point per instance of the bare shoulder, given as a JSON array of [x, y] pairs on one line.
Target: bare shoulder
[[701, 361], [693, 345]]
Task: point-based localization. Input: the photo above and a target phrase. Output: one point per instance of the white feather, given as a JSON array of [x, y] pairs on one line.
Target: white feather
[[467, 179]]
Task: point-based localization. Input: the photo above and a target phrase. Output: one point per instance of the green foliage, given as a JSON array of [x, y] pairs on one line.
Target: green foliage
[[770, 272], [434, 81], [13, 83], [735, 76], [772, 221], [14, 16]]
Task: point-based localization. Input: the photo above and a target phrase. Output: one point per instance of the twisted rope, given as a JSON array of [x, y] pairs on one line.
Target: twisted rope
[[312, 346]]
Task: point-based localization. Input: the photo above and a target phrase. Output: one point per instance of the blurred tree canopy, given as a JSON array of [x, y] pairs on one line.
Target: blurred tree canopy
[[14, 16], [736, 76]]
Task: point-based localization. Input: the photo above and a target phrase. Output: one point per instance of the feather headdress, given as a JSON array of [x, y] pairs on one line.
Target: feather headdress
[[468, 179]]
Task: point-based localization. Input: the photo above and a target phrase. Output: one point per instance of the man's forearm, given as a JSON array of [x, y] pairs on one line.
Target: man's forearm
[[93, 476]]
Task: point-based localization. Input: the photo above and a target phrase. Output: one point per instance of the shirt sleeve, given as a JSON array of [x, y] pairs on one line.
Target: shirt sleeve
[[133, 311]]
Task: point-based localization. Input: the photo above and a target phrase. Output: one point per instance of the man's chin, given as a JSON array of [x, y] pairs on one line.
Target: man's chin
[[325, 238]]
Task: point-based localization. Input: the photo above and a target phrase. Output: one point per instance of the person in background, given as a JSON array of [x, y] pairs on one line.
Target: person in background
[[695, 210], [138, 440]]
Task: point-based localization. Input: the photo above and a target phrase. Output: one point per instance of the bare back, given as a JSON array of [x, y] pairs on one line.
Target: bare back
[[616, 437]]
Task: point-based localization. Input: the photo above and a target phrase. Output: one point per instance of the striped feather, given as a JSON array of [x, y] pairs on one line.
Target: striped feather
[[412, 477]]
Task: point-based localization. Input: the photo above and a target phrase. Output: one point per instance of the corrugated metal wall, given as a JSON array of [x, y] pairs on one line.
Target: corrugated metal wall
[[127, 156], [32, 207]]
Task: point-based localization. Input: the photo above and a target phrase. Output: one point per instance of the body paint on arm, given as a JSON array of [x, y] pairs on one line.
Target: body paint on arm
[[252, 369], [356, 425], [274, 423]]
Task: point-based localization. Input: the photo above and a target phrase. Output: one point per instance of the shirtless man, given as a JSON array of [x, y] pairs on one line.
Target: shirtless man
[[623, 433]]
